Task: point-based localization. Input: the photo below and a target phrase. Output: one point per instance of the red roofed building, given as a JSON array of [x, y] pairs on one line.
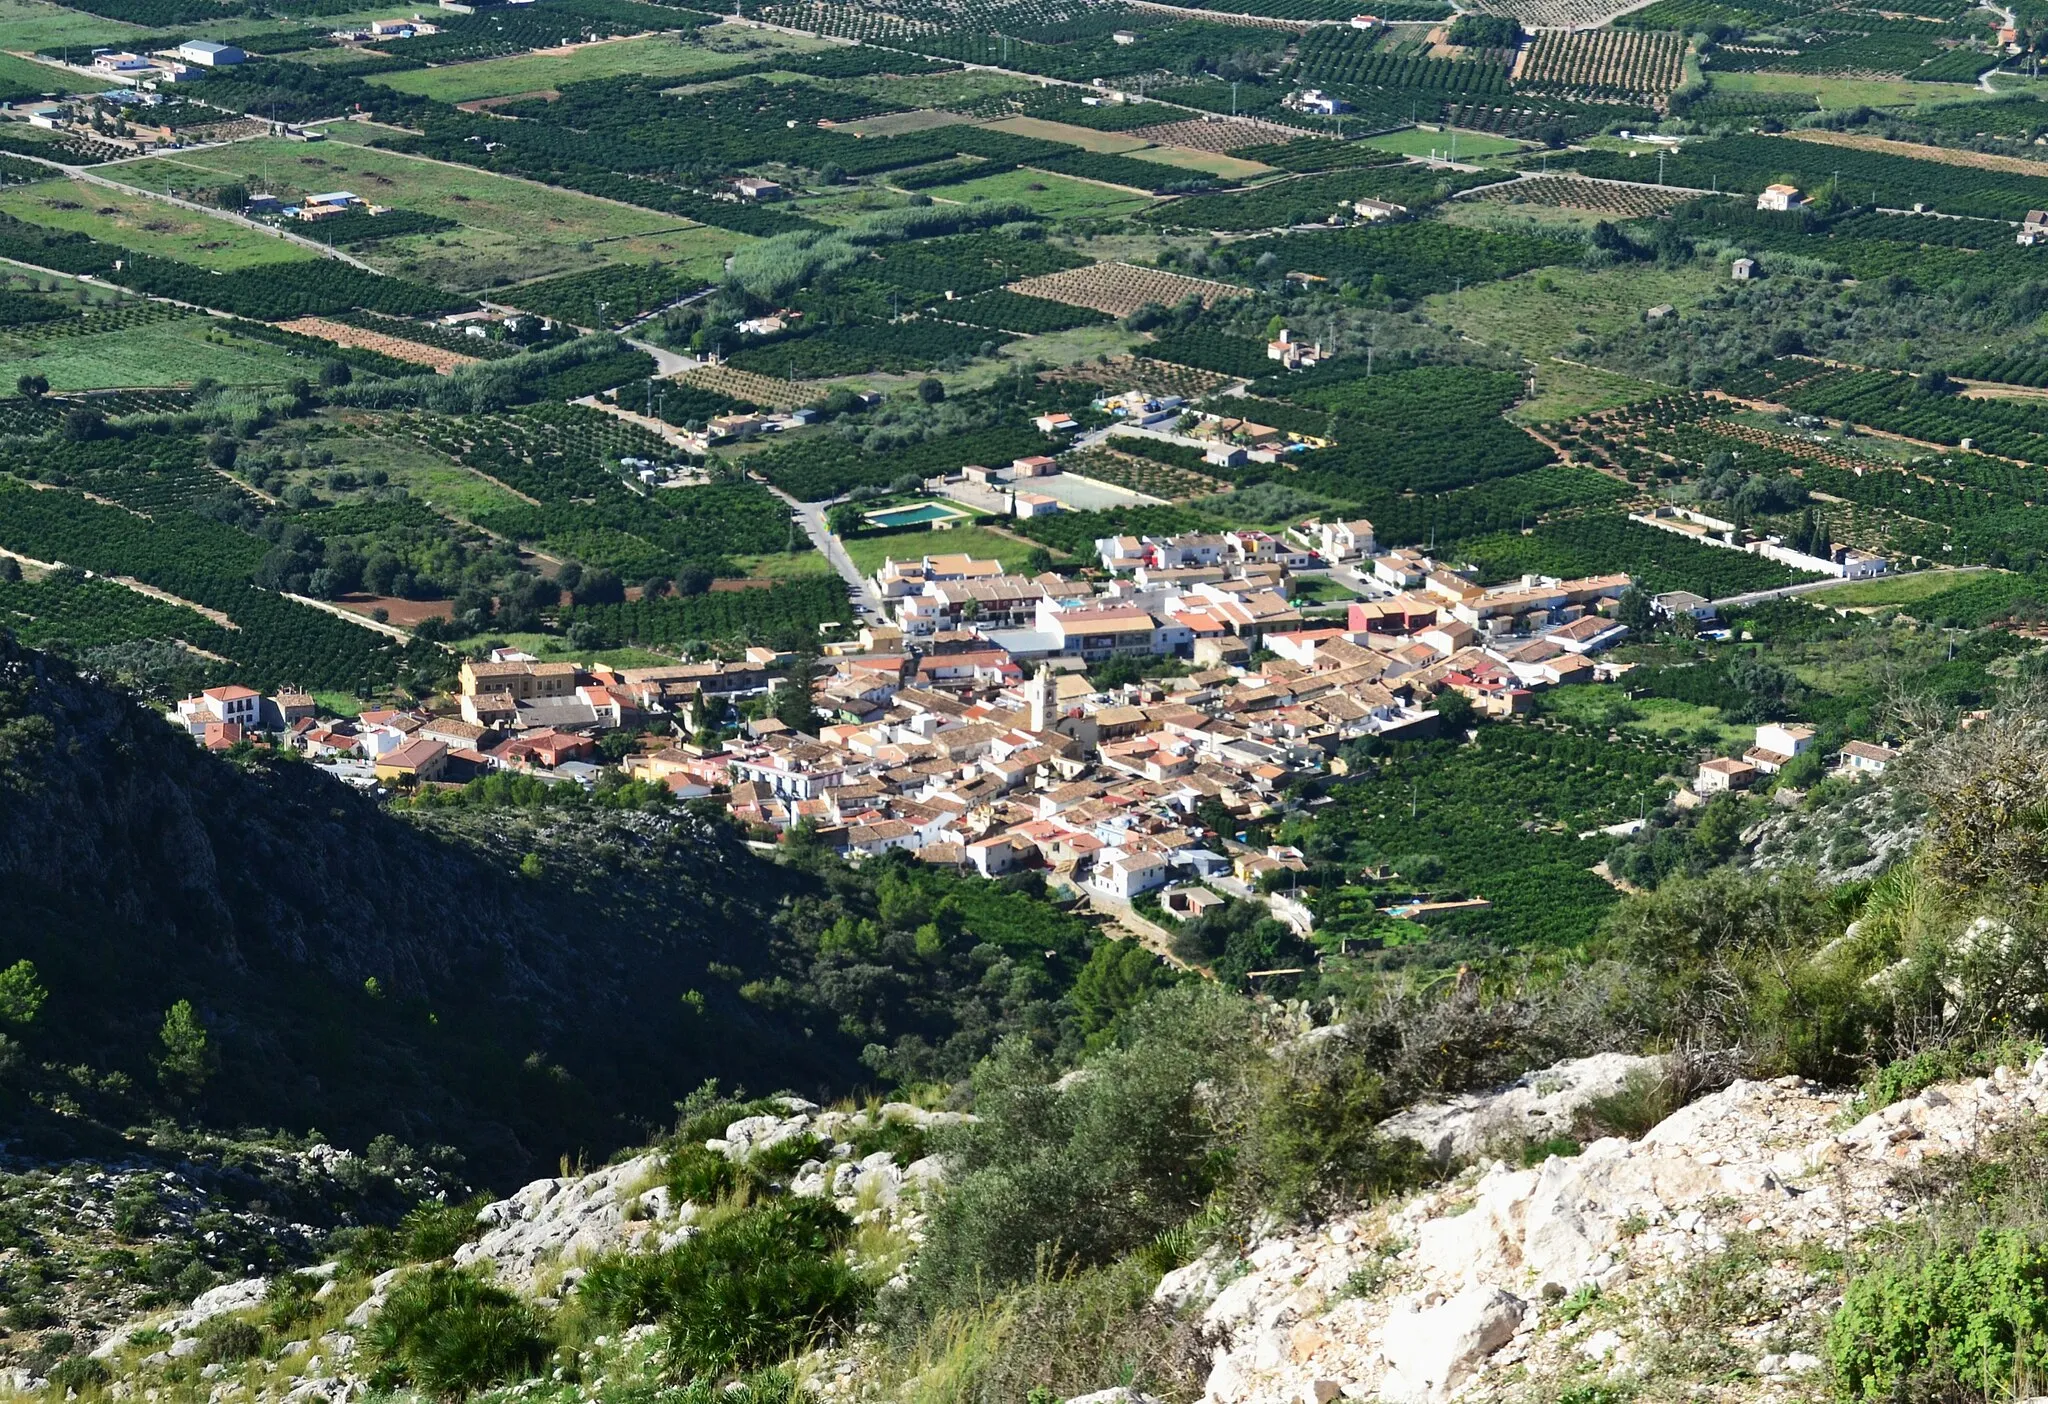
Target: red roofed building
[[545, 749]]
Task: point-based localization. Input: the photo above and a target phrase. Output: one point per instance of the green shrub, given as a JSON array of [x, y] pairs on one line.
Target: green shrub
[[449, 1332], [79, 1373], [365, 1250], [1083, 1173], [289, 1300], [701, 1176], [902, 1139], [1058, 1336], [1964, 1322], [784, 1158], [228, 1340], [1907, 1077], [747, 1292], [433, 1231]]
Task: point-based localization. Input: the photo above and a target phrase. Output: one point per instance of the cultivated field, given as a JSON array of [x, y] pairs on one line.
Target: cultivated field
[[1221, 137], [1559, 14], [510, 228], [1420, 141], [1154, 479], [29, 25], [897, 123], [162, 353], [1087, 138], [145, 225], [655, 55], [1054, 196], [760, 389], [1607, 63], [439, 360], [1120, 289], [26, 75], [1567, 192], [1207, 162], [1539, 314], [1946, 155], [1144, 373]]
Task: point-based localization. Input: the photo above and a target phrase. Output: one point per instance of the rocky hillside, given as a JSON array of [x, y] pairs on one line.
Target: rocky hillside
[[312, 1332], [1708, 1249]]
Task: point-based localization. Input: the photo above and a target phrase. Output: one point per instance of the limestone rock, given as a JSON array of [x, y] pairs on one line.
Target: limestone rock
[[1433, 1350], [560, 1222], [1534, 1107]]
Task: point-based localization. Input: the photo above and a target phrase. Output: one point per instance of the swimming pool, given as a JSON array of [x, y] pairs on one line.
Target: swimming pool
[[912, 516]]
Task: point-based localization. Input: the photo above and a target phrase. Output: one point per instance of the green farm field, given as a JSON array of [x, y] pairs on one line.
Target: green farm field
[[1469, 146], [654, 55], [868, 552], [28, 75], [511, 229], [1056, 197], [783, 565], [160, 354], [1538, 314], [29, 25], [1892, 591], [366, 445], [1565, 390], [146, 226], [1838, 93]]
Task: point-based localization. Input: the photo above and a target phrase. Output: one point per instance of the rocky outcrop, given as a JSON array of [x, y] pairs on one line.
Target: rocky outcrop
[[1442, 1295], [1535, 1107], [567, 1220], [540, 1236]]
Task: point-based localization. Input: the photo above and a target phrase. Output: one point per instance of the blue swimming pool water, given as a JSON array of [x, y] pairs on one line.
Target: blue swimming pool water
[[911, 516]]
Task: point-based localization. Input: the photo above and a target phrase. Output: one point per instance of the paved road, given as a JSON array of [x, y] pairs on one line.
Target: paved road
[[811, 515], [1808, 587], [666, 362]]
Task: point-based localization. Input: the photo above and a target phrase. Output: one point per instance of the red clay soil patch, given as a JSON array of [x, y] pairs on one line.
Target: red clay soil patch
[[406, 614], [750, 583], [486, 104]]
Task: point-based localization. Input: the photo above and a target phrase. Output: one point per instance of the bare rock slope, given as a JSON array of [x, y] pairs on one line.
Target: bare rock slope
[[1511, 1283]]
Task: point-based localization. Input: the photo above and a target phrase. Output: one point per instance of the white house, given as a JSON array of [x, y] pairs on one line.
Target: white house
[[1780, 197], [1346, 541], [1784, 738], [1867, 758], [1123, 875], [242, 706], [1321, 103]]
